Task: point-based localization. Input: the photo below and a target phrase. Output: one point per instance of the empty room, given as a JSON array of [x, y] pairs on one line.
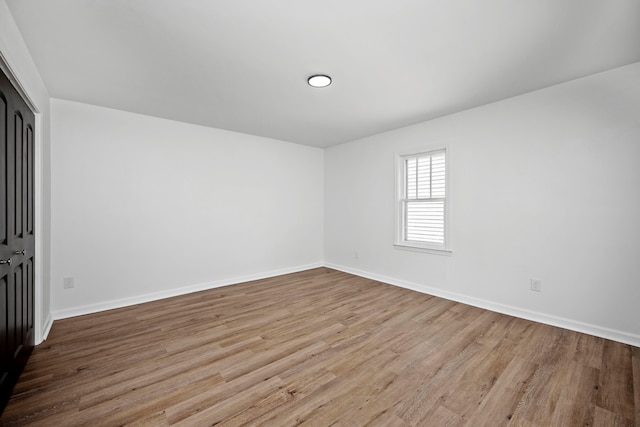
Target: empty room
[[348, 213]]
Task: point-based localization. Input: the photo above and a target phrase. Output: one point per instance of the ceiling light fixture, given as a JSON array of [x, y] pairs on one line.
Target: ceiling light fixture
[[319, 80]]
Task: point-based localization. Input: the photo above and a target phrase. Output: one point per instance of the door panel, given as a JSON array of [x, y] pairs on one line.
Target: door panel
[[17, 303], [3, 162], [29, 301], [29, 177], [17, 238], [17, 189], [4, 336]]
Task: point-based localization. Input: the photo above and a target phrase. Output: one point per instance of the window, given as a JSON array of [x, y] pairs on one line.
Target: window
[[422, 201]]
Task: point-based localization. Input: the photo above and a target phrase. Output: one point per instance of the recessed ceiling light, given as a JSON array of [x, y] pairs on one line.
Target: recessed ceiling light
[[319, 80]]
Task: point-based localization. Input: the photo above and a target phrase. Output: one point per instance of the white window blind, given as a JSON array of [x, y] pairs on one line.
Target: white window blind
[[423, 199]]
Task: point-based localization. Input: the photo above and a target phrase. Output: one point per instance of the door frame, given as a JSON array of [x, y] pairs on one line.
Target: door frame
[[41, 326]]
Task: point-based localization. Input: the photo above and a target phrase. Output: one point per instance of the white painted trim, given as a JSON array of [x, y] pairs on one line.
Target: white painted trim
[[598, 331], [6, 68], [400, 181], [445, 252], [46, 328], [41, 330], [534, 316], [125, 302]]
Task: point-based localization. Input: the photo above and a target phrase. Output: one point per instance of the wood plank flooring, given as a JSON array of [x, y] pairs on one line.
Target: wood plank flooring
[[322, 348]]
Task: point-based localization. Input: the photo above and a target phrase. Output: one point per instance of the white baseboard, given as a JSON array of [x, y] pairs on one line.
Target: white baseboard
[[46, 328], [598, 331], [140, 299], [561, 322]]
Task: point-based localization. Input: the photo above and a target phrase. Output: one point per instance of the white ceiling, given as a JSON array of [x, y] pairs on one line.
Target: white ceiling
[[242, 65]]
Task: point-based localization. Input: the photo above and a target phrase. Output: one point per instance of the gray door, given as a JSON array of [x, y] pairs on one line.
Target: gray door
[[17, 239]]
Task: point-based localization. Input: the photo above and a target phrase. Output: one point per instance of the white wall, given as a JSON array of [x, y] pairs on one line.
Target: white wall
[[146, 208], [16, 57], [544, 185]]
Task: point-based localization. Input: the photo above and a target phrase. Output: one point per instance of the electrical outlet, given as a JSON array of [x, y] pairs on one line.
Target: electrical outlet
[[536, 285], [355, 255], [68, 283]]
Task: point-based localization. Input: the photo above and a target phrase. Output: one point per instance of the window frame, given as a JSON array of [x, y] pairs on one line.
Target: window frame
[[400, 241]]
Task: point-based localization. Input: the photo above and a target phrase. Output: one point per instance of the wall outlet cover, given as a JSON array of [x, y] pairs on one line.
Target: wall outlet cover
[[68, 283], [536, 285]]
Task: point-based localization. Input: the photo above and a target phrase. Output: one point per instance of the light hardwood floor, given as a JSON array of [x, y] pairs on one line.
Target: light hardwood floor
[[322, 348]]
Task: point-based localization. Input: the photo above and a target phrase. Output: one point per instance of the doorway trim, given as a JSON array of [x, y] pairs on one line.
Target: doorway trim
[[42, 326]]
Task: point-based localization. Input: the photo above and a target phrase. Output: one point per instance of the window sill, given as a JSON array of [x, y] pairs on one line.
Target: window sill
[[442, 252]]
